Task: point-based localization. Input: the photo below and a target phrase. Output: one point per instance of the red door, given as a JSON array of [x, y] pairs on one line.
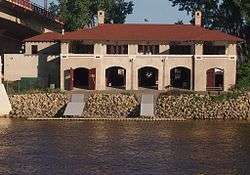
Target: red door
[[71, 80], [210, 78], [92, 79]]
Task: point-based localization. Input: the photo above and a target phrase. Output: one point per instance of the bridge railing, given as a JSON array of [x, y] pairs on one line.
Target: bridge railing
[[27, 4]]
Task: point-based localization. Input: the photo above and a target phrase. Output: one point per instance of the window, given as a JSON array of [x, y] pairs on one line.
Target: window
[[180, 50], [117, 49], [34, 49], [148, 49], [80, 48], [210, 49]]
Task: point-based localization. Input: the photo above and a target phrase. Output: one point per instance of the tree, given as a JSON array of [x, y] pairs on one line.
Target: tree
[[207, 7], [226, 15], [229, 19], [244, 6], [80, 13], [230, 16]]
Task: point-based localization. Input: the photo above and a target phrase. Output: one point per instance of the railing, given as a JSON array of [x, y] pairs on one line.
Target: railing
[[213, 89], [215, 56], [116, 56], [77, 56], [28, 5]]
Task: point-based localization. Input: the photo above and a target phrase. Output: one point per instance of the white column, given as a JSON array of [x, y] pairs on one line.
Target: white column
[[134, 75], [64, 47], [231, 49], [62, 78], [132, 49], [5, 106], [199, 75], [160, 77], [1, 76]]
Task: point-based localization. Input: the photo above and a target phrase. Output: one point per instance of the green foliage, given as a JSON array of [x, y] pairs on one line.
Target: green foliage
[[243, 77], [244, 6], [208, 8], [230, 16], [81, 13], [226, 96]]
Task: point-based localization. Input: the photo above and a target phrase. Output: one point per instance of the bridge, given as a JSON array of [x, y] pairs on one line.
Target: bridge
[[20, 19]]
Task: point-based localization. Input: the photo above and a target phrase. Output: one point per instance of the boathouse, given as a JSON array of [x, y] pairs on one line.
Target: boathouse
[[130, 57]]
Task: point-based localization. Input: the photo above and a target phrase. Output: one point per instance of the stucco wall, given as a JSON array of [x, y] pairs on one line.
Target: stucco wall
[[17, 66], [163, 64], [57, 70], [45, 67], [50, 48], [203, 64]]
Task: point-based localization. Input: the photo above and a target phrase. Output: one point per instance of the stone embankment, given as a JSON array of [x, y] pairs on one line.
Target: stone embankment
[[196, 106], [44, 105], [189, 106], [112, 106]]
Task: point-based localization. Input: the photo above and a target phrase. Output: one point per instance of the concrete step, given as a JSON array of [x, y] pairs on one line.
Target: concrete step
[[76, 106], [147, 105]]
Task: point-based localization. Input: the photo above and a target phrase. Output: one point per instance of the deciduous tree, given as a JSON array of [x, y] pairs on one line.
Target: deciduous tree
[[80, 13]]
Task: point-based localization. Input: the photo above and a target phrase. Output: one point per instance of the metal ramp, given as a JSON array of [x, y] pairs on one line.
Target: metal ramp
[[147, 105], [75, 106]]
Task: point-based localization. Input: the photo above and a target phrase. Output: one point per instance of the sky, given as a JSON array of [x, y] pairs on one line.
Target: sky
[[156, 11]]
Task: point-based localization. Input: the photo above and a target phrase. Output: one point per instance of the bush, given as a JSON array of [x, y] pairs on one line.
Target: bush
[[243, 77]]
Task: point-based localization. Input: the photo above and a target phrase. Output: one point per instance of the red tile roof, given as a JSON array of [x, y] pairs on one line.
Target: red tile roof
[[46, 37], [140, 32]]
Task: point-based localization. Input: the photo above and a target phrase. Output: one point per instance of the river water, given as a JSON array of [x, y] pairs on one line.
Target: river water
[[122, 148]]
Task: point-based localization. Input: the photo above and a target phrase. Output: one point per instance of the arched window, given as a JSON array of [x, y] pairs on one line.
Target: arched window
[[181, 78], [148, 77], [116, 77], [215, 79]]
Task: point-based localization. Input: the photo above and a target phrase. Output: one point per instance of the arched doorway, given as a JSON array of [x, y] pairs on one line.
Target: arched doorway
[[116, 77], [81, 78], [148, 77], [215, 79], [181, 78]]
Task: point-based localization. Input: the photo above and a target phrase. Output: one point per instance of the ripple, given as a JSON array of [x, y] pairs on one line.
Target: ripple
[[191, 147]]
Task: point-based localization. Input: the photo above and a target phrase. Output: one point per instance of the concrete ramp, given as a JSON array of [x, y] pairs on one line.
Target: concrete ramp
[[147, 105], [76, 106], [5, 106]]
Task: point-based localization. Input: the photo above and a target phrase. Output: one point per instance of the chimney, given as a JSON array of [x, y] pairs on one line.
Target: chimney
[[101, 17], [198, 18]]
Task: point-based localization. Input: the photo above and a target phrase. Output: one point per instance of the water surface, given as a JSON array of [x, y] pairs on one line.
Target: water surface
[[121, 148]]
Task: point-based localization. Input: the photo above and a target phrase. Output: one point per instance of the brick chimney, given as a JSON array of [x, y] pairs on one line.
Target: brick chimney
[[101, 17], [198, 18]]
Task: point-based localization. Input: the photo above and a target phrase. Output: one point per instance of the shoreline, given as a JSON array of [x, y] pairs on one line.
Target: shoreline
[[123, 119], [122, 106], [103, 119]]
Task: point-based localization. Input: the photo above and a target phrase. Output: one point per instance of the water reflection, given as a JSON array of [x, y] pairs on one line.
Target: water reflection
[[124, 147]]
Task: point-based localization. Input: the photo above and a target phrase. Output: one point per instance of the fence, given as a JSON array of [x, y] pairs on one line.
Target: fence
[[24, 85], [27, 4]]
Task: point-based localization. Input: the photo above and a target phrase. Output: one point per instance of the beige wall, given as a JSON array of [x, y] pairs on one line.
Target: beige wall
[[199, 48], [203, 64], [50, 48], [231, 49], [17, 66]]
